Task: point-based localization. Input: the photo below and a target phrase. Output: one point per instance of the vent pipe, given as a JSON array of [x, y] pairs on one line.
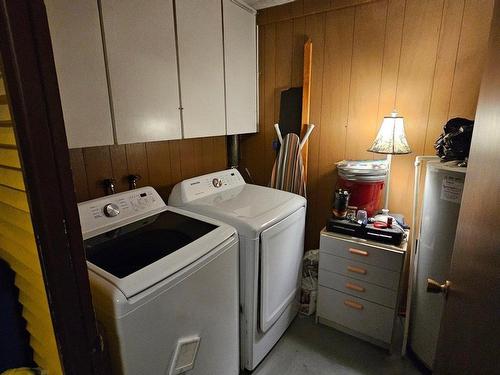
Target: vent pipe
[[233, 150]]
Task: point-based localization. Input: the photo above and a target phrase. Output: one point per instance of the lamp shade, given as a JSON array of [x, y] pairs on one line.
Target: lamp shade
[[391, 137]]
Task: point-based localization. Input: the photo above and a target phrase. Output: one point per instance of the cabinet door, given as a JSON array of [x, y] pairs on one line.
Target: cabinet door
[[75, 31], [201, 66], [240, 68], [140, 45]]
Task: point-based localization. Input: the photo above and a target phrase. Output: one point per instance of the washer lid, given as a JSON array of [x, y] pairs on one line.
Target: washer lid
[[138, 255], [249, 208]]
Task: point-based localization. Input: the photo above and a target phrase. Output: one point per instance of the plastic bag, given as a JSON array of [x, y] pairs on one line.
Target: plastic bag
[[309, 287]]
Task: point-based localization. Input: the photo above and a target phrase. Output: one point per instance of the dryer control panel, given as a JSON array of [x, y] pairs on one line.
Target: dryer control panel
[[202, 186], [117, 208]]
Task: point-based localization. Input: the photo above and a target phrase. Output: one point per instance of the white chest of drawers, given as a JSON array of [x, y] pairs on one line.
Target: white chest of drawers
[[359, 283]]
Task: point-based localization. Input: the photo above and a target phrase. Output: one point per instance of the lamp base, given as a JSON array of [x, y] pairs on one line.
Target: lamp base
[[387, 182]]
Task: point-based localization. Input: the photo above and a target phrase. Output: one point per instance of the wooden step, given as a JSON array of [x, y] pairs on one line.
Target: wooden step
[[3, 99], [5, 123]]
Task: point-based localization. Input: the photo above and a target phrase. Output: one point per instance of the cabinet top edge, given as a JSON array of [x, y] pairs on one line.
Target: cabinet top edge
[[361, 241]]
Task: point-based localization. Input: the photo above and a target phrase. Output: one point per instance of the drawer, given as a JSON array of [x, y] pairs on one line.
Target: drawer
[[357, 288], [359, 315], [391, 260], [359, 271]]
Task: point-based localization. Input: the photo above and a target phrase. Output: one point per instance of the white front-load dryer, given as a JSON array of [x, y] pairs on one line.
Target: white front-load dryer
[[164, 284], [271, 226]]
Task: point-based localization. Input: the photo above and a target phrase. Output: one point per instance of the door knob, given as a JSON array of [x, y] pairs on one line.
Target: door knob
[[434, 287]]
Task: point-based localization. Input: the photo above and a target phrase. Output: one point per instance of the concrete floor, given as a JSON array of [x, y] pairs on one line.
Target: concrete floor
[[308, 348]]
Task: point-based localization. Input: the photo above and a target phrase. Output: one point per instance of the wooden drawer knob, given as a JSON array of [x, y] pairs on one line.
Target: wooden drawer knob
[[359, 270], [354, 305], [355, 287], [358, 252]]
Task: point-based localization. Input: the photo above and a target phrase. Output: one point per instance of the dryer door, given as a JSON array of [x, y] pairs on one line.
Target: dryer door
[[282, 248]]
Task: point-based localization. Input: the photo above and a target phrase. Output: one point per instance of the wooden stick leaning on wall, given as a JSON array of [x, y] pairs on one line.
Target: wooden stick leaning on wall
[[306, 99]]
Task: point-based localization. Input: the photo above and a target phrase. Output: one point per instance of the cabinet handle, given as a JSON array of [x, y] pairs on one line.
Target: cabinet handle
[[359, 270], [354, 287], [358, 252], [354, 305]]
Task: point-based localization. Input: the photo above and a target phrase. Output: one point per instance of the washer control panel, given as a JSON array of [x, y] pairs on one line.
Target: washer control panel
[[202, 186], [110, 209]]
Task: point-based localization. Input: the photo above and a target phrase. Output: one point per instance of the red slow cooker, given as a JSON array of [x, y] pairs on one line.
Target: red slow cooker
[[364, 179]]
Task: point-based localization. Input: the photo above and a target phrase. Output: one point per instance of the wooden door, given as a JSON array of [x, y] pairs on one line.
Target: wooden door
[[240, 57], [142, 61], [469, 341], [29, 72], [81, 73], [201, 67]]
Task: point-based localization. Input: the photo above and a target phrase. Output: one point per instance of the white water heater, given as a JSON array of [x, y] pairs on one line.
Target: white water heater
[[441, 205]]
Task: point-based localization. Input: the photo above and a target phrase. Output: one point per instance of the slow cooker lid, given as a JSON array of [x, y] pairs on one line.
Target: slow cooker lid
[[362, 168]]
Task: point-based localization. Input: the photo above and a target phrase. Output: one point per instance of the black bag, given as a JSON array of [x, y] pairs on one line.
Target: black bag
[[454, 142]]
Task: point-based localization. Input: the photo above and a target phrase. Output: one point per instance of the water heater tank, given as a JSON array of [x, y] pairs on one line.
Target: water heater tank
[[441, 205]]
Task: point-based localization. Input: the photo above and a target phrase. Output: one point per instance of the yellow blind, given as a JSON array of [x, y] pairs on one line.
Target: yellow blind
[[18, 247]]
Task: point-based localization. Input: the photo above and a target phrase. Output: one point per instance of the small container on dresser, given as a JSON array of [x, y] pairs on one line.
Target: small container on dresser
[[359, 285]]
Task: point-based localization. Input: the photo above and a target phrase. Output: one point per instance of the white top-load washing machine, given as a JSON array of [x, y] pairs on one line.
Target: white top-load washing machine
[[270, 224], [164, 284]]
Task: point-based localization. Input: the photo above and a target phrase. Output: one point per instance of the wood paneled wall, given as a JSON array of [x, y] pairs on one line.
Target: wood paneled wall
[[160, 164], [422, 57]]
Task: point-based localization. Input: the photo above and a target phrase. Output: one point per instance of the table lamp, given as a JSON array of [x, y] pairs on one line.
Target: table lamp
[[390, 140]]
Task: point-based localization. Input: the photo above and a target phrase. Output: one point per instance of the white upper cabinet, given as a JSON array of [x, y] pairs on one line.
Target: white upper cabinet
[[141, 55], [81, 73], [126, 70], [201, 67], [240, 53]]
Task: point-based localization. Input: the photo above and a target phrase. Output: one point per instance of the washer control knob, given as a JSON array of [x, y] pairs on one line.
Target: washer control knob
[[217, 182], [111, 210]]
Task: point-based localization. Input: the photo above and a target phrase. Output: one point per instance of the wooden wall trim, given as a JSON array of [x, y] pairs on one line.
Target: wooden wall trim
[[300, 8]]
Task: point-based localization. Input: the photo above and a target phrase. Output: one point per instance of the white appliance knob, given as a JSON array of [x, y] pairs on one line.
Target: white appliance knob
[[111, 210], [217, 182]]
